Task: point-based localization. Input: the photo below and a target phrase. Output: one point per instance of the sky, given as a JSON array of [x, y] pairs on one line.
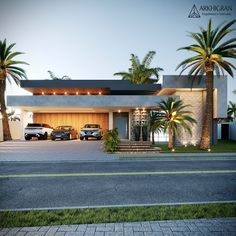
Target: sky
[[93, 39]]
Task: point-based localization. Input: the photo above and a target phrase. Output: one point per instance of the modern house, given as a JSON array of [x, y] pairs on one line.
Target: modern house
[[115, 103]]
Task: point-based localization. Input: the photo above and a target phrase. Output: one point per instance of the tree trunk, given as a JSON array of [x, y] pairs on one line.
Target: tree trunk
[[5, 124], [171, 143], [208, 113], [153, 141]]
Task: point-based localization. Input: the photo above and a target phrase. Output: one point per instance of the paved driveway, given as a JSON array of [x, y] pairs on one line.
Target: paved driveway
[[38, 150]]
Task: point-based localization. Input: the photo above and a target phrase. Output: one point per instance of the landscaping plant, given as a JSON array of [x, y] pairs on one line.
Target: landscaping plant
[[211, 56], [8, 71], [111, 140], [141, 72]]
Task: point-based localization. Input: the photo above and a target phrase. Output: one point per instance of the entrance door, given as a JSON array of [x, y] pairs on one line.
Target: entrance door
[[121, 122]]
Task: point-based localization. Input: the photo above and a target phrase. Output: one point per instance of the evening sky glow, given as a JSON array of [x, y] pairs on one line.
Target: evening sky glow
[[93, 39]]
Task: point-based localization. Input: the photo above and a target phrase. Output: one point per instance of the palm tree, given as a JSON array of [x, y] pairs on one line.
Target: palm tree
[[210, 58], [174, 117], [232, 110], [141, 73], [155, 123], [12, 116], [64, 77], [8, 71]]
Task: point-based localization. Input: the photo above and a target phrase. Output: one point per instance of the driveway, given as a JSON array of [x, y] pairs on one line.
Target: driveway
[[38, 150]]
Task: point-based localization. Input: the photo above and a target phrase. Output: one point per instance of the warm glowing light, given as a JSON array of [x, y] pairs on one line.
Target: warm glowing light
[[65, 93], [42, 93], [100, 93], [54, 93], [208, 149], [136, 108], [119, 111], [88, 93], [173, 150], [77, 93]]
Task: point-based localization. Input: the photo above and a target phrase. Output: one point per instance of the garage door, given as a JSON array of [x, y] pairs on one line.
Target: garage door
[[77, 120]]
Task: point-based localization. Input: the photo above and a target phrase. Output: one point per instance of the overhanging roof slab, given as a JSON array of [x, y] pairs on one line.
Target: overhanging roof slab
[[85, 101]]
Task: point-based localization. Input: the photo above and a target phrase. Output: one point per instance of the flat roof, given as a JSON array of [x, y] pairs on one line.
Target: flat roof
[[110, 86]]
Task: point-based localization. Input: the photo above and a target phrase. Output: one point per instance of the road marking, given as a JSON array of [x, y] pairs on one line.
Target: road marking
[[117, 206], [119, 173]]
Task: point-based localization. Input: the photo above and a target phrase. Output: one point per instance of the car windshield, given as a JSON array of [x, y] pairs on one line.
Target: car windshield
[[34, 125], [91, 126], [63, 127]]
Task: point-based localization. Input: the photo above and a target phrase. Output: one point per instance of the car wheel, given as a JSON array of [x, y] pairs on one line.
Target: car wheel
[[45, 136], [27, 138], [86, 138], [81, 138], [99, 138]]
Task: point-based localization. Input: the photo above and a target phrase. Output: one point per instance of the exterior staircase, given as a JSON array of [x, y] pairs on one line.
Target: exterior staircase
[[137, 147]]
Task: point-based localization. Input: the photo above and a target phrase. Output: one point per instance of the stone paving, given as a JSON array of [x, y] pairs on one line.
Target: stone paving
[[197, 227]]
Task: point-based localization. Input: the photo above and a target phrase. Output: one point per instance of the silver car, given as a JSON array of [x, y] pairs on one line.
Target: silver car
[[91, 131]]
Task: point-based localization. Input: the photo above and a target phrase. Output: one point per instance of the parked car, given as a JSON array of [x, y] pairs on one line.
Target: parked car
[[41, 131], [64, 132], [91, 130]]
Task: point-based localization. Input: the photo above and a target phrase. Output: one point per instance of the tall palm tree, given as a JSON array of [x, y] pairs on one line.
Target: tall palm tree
[[175, 116], [210, 58], [232, 110], [8, 71], [141, 73]]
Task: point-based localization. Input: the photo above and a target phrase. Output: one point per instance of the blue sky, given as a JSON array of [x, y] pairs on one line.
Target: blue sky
[[93, 39]]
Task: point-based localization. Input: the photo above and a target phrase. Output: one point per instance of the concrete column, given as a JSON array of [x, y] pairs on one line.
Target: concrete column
[[110, 125], [24, 122]]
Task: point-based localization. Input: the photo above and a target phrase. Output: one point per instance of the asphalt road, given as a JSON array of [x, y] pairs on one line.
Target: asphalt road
[[76, 184]]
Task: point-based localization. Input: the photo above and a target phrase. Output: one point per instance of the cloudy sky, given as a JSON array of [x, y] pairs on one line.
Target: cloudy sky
[[93, 39]]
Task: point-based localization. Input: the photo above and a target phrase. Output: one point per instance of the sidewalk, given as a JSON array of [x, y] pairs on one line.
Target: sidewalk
[[197, 227]]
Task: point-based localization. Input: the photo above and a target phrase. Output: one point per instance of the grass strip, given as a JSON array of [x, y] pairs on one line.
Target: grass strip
[[171, 156], [221, 146], [119, 214]]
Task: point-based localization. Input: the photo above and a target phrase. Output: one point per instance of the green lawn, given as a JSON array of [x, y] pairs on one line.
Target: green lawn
[[124, 214], [221, 146]]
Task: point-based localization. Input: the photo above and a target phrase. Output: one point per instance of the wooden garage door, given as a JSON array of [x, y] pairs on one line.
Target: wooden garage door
[[77, 120]]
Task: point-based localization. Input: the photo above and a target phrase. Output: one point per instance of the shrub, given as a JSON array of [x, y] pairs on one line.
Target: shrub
[[111, 140], [137, 132], [145, 132]]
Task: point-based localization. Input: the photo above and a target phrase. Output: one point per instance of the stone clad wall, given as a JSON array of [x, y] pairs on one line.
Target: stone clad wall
[[196, 100]]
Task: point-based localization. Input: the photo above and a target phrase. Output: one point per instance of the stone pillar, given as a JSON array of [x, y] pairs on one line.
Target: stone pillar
[[196, 100], [110, 125], [24, 122]]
